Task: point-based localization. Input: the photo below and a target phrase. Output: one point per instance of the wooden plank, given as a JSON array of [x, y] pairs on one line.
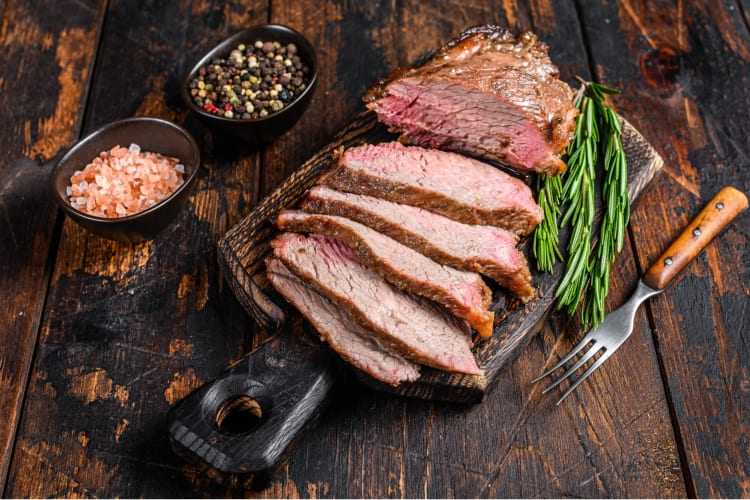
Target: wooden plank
[[109, 361], [128, 329], [690, 76], [45, 65], [419, 448]]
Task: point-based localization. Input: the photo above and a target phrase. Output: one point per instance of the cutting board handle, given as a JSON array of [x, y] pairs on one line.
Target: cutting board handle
[[714, 217], [239, 427]]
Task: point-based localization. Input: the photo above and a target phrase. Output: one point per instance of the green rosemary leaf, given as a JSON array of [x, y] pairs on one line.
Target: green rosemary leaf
[[546, 239]]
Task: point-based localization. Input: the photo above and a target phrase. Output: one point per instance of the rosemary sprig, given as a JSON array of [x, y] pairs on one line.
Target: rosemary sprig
[[546, 239], [615, 218], [585, 278], [578, 194]]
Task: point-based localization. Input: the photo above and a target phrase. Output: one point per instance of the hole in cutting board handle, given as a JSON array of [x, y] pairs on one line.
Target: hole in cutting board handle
[[239, 414], [236, 403]]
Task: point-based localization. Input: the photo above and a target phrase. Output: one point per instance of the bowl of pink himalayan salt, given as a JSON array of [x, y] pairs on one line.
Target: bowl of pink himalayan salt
[[129, 179]]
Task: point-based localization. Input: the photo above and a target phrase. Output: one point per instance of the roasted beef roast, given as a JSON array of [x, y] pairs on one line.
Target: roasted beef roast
[[487, 93]]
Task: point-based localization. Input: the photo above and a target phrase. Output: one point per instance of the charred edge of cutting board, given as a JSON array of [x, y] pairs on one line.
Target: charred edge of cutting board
[[243, 248]]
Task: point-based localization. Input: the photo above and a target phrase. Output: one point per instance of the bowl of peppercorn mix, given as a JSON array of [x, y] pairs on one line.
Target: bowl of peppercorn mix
[[254, 85], [129, 179]]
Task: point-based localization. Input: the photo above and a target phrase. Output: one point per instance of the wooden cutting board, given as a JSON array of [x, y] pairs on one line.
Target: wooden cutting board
[[239, 426], [243, 249]]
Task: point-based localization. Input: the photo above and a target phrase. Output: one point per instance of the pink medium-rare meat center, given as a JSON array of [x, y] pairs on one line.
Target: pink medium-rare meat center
[[488, 94]]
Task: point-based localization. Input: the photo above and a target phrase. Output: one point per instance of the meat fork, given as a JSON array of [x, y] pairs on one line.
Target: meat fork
[[618, 324]]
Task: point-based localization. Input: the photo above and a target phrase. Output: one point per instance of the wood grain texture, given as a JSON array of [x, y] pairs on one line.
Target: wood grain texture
[[238, 428], [125, 331], [45, 66], [688, 76]]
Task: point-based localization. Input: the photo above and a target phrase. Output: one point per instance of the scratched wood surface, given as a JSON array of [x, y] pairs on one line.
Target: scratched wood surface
[[101, 337], [45, 68]]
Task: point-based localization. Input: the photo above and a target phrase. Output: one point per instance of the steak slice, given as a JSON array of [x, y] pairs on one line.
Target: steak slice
[[354, 343], [463, 293], [410, 325], [458, 187], [486, 250], [486, 93]]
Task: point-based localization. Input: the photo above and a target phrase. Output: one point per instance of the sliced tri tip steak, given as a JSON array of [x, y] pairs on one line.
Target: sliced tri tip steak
[[487, 93], [411, 326], [458, 187], [463, 293], [487, 250], [351, 341]]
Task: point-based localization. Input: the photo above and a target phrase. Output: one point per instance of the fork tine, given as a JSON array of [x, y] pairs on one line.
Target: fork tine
[[570, 371], [567, 358], [606, 354]]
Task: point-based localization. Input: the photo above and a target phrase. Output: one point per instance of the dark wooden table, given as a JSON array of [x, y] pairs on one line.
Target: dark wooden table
[[100, 338]]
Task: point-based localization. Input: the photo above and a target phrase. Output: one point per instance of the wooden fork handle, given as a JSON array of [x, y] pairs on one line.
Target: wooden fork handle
[[714, 217]]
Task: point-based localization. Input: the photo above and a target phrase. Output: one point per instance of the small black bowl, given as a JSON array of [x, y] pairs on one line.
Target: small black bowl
[[260, 130], [151, 134]]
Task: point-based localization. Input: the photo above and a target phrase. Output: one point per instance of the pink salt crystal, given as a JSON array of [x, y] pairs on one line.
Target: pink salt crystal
[[124, 181], [76, 177]]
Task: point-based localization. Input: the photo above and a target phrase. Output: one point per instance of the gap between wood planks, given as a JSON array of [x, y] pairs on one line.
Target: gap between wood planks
[[687, 476], [745, 16]]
